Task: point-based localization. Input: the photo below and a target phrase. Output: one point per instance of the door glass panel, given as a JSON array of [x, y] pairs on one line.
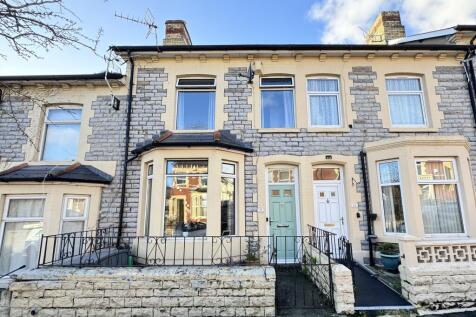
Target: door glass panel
[[275, 193], [333, 194], [288, 193], [322, 194], [326, 174], [281, 176]]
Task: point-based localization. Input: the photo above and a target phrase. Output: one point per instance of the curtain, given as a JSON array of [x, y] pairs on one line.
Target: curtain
[[181, 111], [393, 209], [288, 104], [440, 208], [327, 85], [403, 84], [19, 208], [211, 110], [406, 109], [324, 110], [20, 245]]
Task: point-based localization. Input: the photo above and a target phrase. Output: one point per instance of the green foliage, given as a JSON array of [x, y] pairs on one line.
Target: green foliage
[[388, 248]]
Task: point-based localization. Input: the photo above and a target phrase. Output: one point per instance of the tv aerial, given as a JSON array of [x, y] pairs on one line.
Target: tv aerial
[[148, 21]]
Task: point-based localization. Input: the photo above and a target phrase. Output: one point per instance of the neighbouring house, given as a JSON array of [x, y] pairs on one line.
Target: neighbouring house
[[222, 154]]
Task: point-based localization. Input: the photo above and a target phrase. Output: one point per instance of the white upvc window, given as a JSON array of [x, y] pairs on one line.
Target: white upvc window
[[323, 95], [195, 104], [20, 231], [228, 198], [61, 133], [277, 102], [75, 213], [406, 101], [391, 199], [438, 189], [148, 197]]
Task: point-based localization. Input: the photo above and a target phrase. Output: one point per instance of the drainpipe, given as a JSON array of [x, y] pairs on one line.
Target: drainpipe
[[470, 76], [126, 150], [363, 163]]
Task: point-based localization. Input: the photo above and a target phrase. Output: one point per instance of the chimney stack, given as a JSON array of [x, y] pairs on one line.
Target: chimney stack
[[387, 26], [176, 33]]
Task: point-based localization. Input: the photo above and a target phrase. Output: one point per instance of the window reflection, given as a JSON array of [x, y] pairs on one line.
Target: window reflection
[[326, 174], [228, 205], [186, 198]]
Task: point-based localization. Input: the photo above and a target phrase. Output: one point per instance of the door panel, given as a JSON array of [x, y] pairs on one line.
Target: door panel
[[328, 208], [282, 216]]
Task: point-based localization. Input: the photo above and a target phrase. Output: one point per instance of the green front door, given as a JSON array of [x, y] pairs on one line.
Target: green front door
[[282, 218]]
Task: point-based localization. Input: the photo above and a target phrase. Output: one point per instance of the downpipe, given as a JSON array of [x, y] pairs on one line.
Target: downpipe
[[363, 163], [470, 76]]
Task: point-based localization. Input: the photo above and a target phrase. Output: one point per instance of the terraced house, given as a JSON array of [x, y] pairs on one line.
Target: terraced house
[[204, 158]]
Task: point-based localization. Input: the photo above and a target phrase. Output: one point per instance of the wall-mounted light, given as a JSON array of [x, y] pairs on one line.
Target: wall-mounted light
[[354, 182], [328, 157]]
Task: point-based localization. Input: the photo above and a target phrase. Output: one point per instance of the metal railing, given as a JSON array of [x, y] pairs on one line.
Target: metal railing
[[339, 248]]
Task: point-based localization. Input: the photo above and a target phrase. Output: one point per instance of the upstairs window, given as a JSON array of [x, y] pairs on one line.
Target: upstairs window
[[61, 134], [324, 102], [196, 104], [277, 102], [406, 102]]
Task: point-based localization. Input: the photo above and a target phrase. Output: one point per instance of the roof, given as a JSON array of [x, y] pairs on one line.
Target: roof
[[287, 47], [433, 34], [95, 76], [75, 173], [220, 138]]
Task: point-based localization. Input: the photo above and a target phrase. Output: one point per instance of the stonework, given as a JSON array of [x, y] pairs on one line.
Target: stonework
[[151, 291], [440, 286]]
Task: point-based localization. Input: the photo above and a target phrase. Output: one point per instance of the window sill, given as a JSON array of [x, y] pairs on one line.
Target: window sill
[[279, 130], [328, 130], [410, 129], [192, 131]]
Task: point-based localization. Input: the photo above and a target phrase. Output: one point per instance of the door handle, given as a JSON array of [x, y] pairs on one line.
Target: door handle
[[282, 226]]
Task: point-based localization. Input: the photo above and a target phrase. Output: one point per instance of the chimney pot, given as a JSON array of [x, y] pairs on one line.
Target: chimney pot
[[176, 33]]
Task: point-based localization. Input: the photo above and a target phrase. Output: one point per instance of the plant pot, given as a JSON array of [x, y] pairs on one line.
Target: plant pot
[[390, 261]]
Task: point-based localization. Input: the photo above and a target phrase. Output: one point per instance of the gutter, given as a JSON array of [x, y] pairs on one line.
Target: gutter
[[470, 76], [363, 164], [126, 151]]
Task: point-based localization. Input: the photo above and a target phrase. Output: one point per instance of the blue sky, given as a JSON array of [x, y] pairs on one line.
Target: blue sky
[[243, 21]]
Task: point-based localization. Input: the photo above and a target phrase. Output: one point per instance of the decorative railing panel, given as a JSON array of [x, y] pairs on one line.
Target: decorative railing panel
[[446, 253]]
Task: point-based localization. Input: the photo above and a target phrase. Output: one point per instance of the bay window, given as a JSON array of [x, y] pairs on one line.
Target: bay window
[[324, 102], [195, 104], [406, 101], [186, 201], [61, 134], [391, 196], [438, 192], [277, 102], [20, 232]]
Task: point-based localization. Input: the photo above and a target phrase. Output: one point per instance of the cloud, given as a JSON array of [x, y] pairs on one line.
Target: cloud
[[346, 20]]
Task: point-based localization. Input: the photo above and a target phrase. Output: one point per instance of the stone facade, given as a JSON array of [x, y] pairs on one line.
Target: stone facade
[[439, 286], [152, 291]]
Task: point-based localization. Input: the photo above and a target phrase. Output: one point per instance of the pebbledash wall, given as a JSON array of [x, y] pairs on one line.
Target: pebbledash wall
[[151, 291]]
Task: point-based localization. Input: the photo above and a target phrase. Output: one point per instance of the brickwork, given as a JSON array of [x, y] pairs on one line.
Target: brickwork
[[152, 291]]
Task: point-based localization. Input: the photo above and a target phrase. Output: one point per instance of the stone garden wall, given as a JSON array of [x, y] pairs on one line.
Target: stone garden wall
[[151, 291]]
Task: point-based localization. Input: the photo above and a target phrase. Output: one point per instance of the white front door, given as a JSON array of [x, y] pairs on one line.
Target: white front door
[[328, 207]]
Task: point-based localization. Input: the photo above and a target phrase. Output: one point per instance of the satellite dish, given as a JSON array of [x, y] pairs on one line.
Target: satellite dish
[[250, 74]]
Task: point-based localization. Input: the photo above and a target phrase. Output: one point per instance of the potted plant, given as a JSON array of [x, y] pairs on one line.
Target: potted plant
[[390, 255]]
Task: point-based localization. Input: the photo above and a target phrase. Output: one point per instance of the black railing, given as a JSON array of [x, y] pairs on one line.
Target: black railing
[[339, 248]]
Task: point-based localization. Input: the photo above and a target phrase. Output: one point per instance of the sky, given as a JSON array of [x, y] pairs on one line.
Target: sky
[[234, 22]]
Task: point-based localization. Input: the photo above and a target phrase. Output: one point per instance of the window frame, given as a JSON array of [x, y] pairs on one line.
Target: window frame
[[84, 218], [195, 88], [165, 192], [420, 93], [291, 87], [47, 122], [147, 197], [400, 183], [455, 181], [324, 93], [235, 198], [6, 206]]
